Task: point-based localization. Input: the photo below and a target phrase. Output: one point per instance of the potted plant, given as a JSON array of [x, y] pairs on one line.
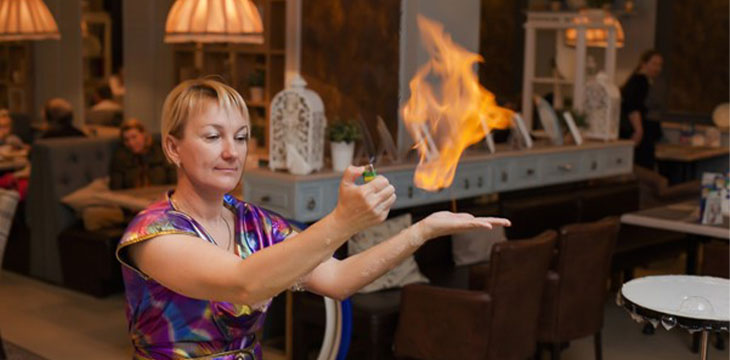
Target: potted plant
[[342, 137], [256, 86]]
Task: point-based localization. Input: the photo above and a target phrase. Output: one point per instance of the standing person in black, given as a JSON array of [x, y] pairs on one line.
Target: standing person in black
[[634, 122], [59, 117]]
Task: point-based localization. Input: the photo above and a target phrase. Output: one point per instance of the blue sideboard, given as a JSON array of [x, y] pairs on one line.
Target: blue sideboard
[[310, 197]]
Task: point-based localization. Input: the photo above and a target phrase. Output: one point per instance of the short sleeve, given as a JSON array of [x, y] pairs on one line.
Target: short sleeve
[[147, 225], [263, 228]]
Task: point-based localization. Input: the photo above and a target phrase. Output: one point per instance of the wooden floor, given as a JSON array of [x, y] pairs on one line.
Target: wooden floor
[[60, 324]]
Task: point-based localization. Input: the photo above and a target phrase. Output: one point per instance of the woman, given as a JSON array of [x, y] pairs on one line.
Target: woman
[[140, 161], [634, 124], [202, 267]]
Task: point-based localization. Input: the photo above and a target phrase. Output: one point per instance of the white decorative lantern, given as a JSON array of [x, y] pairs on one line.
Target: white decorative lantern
[[602, 108], [297, 129]]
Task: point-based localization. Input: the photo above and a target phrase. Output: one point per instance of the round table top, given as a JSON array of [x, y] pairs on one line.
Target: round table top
[[690, 301]]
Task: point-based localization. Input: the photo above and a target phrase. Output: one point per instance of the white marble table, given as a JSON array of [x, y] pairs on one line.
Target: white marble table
[[681, 217], [694, 303]]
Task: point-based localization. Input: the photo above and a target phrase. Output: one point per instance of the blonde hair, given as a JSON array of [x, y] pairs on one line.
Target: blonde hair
[[189, 97]]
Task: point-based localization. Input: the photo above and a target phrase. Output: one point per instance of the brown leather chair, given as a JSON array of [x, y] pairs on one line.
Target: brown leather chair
[[655, 189], [576, 286], [499, 321]]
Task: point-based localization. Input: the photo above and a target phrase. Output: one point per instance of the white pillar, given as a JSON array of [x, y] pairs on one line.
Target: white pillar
[[148, 61], [58, 70], [580, 69], [293, 47], [610, 59]]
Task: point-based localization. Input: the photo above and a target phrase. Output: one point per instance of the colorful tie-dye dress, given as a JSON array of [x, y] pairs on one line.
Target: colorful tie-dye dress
[[166, 325]]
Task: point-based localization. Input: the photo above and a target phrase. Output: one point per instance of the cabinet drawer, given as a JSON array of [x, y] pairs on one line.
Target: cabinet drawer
[[592, 164], [471, 180], [310, 202], [563, 167], [272, 197], [618, 161], [516, 174]]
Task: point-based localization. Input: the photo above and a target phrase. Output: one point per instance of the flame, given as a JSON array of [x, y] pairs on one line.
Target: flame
[[464, 113]]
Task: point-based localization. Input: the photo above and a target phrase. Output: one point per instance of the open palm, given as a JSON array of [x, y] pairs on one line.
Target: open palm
[[445, 223]]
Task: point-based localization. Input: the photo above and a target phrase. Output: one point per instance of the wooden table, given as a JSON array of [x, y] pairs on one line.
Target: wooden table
[[684, 153], [136, 199], [12, 164], [686, 158]]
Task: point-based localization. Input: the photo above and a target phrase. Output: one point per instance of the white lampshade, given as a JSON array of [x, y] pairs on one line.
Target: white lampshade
[[206, 21], [26, 20], [596, 37]]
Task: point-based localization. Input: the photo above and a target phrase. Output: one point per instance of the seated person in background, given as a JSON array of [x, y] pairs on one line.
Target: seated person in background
[[59, 116], [8, 140], [12, 146], [106, 111], [140, 161]]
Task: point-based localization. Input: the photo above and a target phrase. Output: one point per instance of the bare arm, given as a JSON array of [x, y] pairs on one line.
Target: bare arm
[[198, 269], [635, 119], [340, 279]]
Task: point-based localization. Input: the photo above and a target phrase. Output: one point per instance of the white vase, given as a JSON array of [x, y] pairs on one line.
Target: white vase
[[342, 153]]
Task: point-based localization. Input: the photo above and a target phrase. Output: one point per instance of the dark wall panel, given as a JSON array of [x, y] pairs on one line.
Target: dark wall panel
[[350, 57], [693, 36], [501, 44]]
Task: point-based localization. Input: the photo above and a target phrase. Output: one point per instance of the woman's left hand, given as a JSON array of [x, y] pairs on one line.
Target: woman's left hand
[[446, 223]]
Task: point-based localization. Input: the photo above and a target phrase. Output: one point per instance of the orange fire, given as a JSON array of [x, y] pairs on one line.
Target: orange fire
[[462, 113]]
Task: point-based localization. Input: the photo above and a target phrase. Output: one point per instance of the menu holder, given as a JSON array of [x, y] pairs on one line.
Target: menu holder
[[715, 201]]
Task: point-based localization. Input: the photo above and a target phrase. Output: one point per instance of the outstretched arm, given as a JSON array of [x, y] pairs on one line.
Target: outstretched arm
[[340, 279], [198, 269]]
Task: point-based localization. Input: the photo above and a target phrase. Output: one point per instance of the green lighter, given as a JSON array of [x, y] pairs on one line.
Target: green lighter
[[369, 173]]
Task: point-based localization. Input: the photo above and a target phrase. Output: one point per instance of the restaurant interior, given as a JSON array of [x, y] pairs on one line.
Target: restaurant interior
[[599, 128]]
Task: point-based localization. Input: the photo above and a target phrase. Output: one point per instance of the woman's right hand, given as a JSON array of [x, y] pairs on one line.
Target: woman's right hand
[[362, 206]]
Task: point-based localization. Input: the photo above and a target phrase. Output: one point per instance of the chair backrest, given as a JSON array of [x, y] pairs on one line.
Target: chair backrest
[[583, 265], [60, 166], [515, 283]]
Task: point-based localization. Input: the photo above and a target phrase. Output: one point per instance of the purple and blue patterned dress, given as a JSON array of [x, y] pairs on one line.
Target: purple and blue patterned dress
[[166, 325]]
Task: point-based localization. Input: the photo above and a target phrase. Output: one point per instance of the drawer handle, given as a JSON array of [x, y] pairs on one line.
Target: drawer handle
[[619, 161], [480, 182], [530, 172], [594, 165], [265, 198], [504, 176], [466, 184], [410, 192], [311, 204], [566, 167]]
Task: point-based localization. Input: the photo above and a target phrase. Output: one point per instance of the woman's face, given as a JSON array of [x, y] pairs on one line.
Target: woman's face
[[212, 151], [653, 67], [134, 140]]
